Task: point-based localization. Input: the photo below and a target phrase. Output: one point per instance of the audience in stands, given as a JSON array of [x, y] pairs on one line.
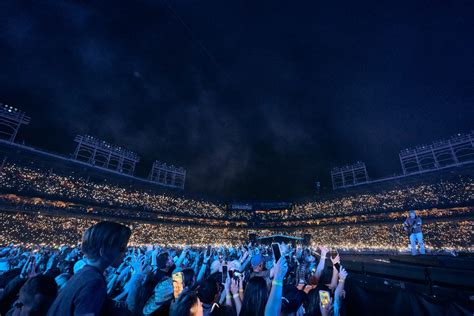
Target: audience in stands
[[79, 194]]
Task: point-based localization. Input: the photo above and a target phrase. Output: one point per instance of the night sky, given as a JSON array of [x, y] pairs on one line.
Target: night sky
[[256, 99]]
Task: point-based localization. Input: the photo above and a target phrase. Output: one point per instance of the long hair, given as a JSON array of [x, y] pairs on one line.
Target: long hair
[[189, 275], [186, 304], [255, 297], [312, 309]]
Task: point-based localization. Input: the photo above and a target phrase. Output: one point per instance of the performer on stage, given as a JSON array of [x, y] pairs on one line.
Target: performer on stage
[[412, 226]]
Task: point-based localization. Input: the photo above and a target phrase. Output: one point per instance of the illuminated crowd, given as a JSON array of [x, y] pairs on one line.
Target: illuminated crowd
[[37, 181], [80, 194], [153, 279], [43, 216], [443, 234], [455, 191]]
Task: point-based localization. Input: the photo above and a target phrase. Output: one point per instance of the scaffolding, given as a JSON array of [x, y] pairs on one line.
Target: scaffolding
[[99, 153], [10, 121], [349, 175], [167, 175], [454, 151]]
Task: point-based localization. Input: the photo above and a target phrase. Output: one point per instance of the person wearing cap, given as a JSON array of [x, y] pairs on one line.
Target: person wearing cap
[[258, 263], [151, 289], [412, 226], [160, 301]]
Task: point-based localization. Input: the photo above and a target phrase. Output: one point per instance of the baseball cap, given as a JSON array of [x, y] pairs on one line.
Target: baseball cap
[[256, 260]]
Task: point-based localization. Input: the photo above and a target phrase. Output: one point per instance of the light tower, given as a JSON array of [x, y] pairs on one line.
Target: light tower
[[167, 175], [454, 151], [10, 121], [349, 175], [100, 153]]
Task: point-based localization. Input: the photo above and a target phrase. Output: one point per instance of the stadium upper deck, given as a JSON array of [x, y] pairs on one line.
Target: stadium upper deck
[[40, 180]]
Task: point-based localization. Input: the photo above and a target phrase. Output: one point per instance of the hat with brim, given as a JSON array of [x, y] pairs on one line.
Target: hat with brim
[[163, 294]]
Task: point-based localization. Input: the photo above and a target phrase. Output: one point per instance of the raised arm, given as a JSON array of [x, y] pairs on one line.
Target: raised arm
[[234, 289], [194, 266], [335, 273], [202, 271], [273, 306], [339, 294], [322, 261], [180, 260], [245, 260], [134, 284]]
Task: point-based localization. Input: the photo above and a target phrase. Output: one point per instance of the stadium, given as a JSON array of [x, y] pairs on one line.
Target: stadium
[[240, 158], [35, 183], [50, 199]]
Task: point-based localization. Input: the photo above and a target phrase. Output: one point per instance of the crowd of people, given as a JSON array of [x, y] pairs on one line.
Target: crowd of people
[[192, 257], [455, 191], [440, 235], [103, 275], [15, 203], [22, 179], [21, 204], [115, 199]]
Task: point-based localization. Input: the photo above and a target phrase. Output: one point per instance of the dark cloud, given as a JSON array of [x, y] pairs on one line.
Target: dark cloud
[[256, 99]]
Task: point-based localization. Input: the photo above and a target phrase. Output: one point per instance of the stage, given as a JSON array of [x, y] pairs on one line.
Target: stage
[[409, 285]]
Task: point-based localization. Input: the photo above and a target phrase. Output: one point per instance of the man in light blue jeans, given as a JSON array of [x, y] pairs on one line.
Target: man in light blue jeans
[[412, 226]]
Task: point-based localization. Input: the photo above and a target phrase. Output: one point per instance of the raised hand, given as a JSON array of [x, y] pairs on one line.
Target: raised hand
[[197, 256], [280, 269], [227, 283], [207, 257], [234, 286], [324, 250], [123, 273], [343, 274], [26, 266], [241, 282], [32, 269], [138, 263], [335, 260]]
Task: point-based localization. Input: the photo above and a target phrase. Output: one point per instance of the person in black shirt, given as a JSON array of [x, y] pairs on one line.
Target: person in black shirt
[[104, 245]]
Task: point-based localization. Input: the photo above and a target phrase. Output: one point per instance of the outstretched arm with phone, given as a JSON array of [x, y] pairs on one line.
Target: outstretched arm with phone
[[273, 306], [322, 261]]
